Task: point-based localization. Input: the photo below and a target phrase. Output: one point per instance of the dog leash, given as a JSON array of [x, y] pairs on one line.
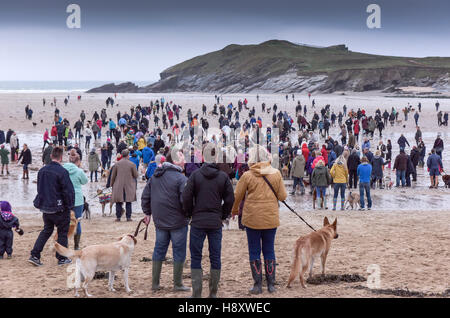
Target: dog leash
[[284, 202], [139, 231]]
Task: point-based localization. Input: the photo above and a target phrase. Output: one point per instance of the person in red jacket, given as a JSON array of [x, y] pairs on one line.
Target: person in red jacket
[[356, 128], [324, 154], [54, 134], [305, 151]]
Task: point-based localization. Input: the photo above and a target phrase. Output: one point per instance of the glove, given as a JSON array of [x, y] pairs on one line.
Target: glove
[[19, 231]]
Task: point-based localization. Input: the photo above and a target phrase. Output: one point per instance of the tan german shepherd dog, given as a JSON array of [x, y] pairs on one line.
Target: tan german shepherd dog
[[308, 247]]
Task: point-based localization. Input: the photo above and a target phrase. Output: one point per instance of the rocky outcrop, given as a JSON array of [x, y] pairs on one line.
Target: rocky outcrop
[[127, 87], [280, 66]]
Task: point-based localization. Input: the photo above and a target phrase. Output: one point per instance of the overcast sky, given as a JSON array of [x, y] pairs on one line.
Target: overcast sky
[[136, 40]]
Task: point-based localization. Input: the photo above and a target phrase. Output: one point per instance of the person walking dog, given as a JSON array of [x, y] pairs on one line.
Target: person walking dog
[[260, 214], [55, 198]]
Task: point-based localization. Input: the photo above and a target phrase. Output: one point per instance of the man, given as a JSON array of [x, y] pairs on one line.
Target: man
[[205, 190], [415, 157], [298, 172], [364, 173], [159, 143], [438, 145], [418, 135], [352, 163], [434, 164], [162, 199], [400, 165], [124, 181], [402, 142], [55, 198]]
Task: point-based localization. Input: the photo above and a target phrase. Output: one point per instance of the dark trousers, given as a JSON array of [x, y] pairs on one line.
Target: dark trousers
[[127, 209], [352, 178], [13, 154], [62, 221], [261, 240], [6, 241], [92, 174], [197, 238]]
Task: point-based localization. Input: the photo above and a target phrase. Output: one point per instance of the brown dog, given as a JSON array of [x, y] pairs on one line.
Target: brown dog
[[308, 247], [285, 172], [446, 179], [352, 200], [72, 226]]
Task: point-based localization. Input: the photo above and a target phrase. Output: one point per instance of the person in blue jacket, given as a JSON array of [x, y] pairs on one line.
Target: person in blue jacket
[[364, 172], [134, 158], [147, 156], [434, 164]]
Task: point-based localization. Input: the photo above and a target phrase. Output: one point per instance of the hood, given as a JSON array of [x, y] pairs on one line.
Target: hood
[[166, 166], [71, 168], [262, 169], [210, 170]]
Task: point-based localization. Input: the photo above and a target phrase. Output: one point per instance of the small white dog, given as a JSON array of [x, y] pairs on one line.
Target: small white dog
[[110, 257]]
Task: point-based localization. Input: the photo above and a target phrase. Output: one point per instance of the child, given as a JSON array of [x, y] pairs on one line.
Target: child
[[7, 222]]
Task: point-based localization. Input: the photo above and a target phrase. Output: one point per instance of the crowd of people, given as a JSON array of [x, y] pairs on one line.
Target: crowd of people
[[190, 170]]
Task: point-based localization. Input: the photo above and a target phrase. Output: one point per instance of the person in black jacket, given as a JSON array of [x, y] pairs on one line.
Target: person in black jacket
[[352, 163], [203, 195], [26, 157], [55, 198], [161, 199]]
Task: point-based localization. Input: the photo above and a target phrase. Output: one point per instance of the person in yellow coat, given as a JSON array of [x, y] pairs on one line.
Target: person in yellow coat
[[260, 214], [141, 143], [339, 173]]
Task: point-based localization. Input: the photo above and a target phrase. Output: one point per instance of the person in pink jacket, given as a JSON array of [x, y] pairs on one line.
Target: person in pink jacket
[[46, 139]]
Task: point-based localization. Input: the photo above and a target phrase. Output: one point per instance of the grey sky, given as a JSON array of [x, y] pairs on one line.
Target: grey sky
[[136, 40]]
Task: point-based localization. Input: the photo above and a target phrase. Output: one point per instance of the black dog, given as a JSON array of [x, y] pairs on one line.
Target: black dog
[[86, 210]]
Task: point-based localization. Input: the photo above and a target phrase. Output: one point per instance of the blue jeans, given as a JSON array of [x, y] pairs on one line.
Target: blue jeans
[[196, 239], [339, 187], [78, 214], [320, 190], [261, 239], [365, 186], [401, 174], [178, 237]]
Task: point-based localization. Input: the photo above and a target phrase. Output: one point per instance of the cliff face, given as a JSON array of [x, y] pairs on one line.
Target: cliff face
[[281, 66]]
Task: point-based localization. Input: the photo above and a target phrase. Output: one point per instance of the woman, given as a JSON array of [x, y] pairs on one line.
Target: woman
[[94, 163], [78, 179], [25, 155], [377, 169], [320, 180], [339, 173], [260, 215]]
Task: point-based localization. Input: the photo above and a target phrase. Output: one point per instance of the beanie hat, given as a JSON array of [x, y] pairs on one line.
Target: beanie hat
[[6, 211]]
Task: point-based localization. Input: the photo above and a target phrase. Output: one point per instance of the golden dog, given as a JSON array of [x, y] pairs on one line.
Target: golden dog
[[308, 247]]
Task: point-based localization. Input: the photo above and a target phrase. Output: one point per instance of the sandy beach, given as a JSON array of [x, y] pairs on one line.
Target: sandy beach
[[407, 234]]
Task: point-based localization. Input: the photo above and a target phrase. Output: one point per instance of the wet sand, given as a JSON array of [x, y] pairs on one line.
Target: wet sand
[[407, 233]]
